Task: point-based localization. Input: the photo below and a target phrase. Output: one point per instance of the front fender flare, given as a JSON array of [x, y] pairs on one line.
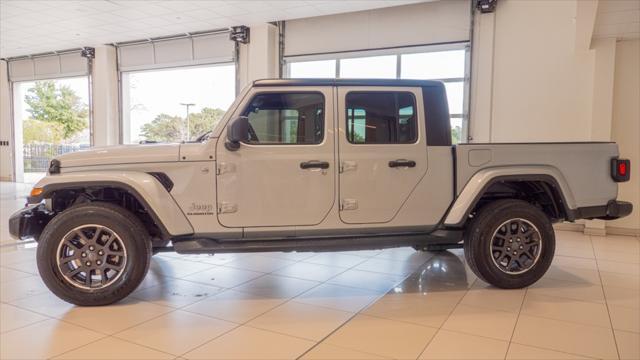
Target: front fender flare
[[484, 178], [147, 189]]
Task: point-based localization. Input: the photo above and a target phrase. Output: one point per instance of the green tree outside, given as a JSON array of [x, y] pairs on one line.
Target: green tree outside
[[167, 128], [36, 131], [456, 134], [59, 111]]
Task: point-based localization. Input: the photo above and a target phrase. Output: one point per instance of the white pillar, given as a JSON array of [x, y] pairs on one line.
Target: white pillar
[[482, 77], [601, 106], [259, 58], [106, 119], [6, 160]]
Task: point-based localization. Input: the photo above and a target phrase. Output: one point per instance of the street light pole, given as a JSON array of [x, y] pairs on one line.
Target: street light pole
[[188, 105]]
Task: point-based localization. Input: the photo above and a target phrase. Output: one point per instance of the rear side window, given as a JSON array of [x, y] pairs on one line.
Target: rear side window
[[381, 118], [286, 118]]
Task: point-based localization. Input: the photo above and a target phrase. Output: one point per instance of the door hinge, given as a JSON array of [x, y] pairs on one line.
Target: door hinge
[[348, 204], [348, 166], [223, 168], [227, 208]]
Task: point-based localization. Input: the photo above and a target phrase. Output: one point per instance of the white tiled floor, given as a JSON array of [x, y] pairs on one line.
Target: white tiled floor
[[394, 303]]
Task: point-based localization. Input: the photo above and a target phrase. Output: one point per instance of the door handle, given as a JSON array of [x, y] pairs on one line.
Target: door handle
[[402, 163], [314, 164]]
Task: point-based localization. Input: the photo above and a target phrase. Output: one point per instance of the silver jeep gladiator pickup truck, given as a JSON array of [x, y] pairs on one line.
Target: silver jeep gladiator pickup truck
[[315, 165]]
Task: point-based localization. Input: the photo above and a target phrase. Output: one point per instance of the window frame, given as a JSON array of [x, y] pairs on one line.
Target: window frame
[[122, 92], [399, 51], [415, 114], [246, 105]]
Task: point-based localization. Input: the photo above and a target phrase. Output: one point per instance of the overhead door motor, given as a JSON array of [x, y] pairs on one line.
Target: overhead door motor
[[486, 6]]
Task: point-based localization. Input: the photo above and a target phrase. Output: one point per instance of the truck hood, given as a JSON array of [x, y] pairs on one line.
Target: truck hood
[[122, 154]]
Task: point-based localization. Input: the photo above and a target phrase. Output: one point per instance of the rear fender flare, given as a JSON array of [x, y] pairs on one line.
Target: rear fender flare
[[483, 179]]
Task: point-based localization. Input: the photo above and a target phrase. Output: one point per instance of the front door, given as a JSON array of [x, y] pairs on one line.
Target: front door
[[382, 151], [285, 174]]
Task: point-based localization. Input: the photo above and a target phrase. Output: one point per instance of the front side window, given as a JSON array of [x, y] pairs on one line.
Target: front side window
[[381, 118], [286, 118]]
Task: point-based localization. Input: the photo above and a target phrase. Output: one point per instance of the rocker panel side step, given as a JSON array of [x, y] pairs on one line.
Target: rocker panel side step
[[203, 245]]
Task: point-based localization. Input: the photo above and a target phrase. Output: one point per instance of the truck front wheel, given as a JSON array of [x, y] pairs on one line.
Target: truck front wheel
[[93, 254], [509, 244]]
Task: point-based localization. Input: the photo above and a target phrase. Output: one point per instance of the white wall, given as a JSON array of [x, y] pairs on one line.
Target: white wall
[[538, 76], [626, 124], [540, 84], [6, 166]]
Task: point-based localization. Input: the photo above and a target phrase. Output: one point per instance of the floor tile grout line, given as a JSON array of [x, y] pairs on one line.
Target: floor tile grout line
[[293, 298], [595, 258], [606, 303], [574, 299], [235, 326], [115, 338], [524, 297], [4, 333], [359, 312], [470, 286], [555, 350], [102, 335], [119, 331], [269, 310], [569, 321], [234, 287]]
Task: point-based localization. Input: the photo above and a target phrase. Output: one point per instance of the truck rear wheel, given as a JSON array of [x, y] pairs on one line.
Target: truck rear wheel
[[93, 254], [509, 244]]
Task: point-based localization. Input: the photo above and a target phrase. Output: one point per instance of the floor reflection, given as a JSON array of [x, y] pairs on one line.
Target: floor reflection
[[445, 271]]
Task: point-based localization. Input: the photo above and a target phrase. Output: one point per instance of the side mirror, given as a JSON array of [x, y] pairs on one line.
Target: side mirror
[[237, 132]]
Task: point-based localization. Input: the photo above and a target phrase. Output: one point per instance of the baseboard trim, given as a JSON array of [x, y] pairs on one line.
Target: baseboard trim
[[611, 230], [614, 230], [567, 226], [595, 231]]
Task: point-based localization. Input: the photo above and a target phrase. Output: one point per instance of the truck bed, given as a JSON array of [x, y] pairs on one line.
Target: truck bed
[[583, 170]]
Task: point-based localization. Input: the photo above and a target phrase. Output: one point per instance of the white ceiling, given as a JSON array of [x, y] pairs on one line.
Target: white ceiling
[[36, 26], [618, 19]]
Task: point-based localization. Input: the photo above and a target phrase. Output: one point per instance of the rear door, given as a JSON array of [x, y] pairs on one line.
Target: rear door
[[382, 151], [285, 174]]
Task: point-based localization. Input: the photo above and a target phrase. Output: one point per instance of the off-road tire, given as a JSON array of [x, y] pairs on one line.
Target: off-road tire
[[132, 233], [479, 236]]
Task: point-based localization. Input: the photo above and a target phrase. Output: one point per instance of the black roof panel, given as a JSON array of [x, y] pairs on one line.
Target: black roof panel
[[346, 82]]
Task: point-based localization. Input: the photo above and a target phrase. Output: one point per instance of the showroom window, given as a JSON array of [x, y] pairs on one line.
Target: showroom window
[[286, 118], [313, 69], [448, 64], [381, 118], [175, 104], [51, 118], [51, 109]]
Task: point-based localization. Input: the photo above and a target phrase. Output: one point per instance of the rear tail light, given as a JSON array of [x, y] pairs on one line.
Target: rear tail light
[[620, 170]]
